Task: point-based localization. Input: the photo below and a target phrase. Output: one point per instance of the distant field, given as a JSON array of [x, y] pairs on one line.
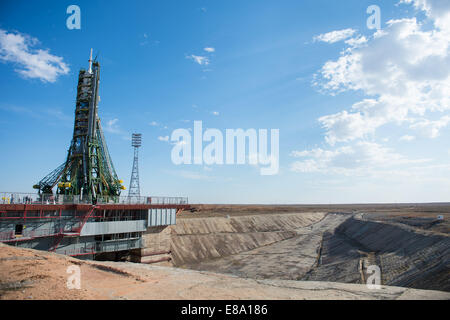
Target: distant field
[[405, 209]]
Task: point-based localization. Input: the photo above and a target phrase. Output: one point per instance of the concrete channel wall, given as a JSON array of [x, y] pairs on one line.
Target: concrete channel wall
[[199, 239], [307, 246], [408, 257]]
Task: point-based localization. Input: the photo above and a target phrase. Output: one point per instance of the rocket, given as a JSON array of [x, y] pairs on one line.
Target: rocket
[[90, 63]]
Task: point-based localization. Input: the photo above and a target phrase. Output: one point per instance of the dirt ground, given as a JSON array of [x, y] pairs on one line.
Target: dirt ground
[[27, 274]]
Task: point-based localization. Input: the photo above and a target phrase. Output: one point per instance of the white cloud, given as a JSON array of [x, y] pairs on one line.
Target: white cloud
[[216, 113], [164, 138], [349, 160], [437, 10], [430, 128], [209, 49], [356, 42], [201, 60], [345, 126], [112, 126], [154, 124], [404, 71], [31, 63], [407, 138], [335, 36]]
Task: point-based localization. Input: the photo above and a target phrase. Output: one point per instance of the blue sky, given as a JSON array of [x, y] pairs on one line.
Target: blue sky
[[363, 114]]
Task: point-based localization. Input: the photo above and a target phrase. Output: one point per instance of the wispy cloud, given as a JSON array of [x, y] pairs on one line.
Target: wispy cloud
[[201, 60], [158, 125], [163, 138], [430, 128], [52, 116], [31, 63], [22, 111], [144, 40], [360, 159], [112, 126], [407, 138], [191, 175], [335, 36]]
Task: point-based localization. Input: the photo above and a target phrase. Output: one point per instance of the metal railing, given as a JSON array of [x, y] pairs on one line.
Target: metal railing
[[142, 200], [28, 234], [77, 251], [34, 198], [6, 235], [118, 245], [40, 232], [107, 246]]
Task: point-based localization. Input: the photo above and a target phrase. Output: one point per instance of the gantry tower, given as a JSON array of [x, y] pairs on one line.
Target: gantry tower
[[88, 170]]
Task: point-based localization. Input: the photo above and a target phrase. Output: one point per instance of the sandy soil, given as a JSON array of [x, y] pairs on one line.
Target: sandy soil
[[30, 274]]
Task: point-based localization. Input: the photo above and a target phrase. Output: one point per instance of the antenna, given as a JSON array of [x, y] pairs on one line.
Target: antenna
[[90, 62]]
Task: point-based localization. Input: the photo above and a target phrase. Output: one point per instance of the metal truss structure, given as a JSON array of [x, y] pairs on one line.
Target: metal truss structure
[[88, 170], [134, 191]]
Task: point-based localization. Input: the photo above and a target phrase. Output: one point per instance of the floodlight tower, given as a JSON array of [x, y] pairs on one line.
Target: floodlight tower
[[134, 191]]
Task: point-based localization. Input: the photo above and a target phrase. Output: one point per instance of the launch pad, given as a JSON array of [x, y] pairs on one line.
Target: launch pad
[[86, 216]]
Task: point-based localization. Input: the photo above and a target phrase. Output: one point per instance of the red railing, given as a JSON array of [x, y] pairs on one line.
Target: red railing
[[85, 219]]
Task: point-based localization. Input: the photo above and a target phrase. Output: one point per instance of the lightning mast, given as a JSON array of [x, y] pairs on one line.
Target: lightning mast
[[134, 191]]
